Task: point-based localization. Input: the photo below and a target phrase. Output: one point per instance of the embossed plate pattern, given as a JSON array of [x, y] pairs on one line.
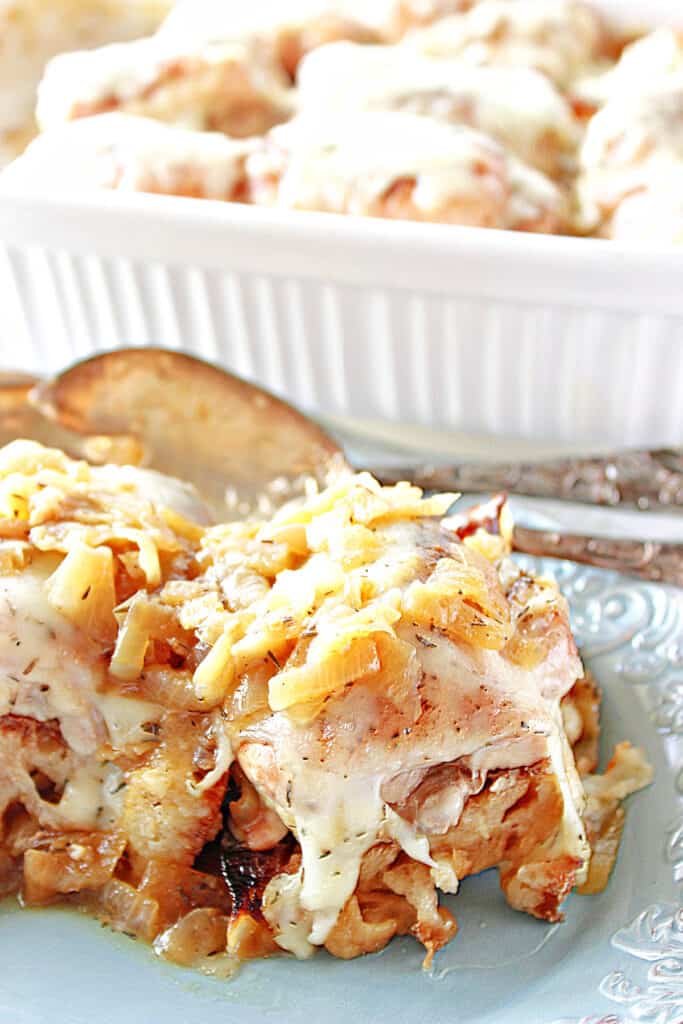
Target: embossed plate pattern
[[617, 959], [640, 629]]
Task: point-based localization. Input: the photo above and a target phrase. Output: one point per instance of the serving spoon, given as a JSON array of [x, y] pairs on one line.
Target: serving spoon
[[247, 452]]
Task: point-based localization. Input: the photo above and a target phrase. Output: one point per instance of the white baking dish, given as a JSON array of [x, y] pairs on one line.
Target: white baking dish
[[485, 331]]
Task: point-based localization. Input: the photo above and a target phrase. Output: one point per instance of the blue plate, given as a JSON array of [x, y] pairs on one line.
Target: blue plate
[[618, 957]]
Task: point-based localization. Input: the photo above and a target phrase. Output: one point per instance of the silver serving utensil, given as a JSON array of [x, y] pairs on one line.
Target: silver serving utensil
[[244, 449], [656, 561], [247, 451], [644, 480]]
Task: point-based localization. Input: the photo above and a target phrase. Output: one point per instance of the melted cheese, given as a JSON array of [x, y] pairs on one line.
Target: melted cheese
[[333, 795], [633, 143], [572, 835], [120, 71], [653, 57], [634, 128], [282, 909], [128, 74], [134, 154], [558, 37], [531, 195], [92, 797], [654, 215], [520, 107], [348, 163], [125, 718], [47, 671], [304, 907]]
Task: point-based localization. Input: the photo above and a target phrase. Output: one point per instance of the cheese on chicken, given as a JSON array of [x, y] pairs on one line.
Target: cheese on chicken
[[364, 700], [81, 751], [401, 165], [633, 145], [380, 677], [233, 87], [561, 38], [517, 106], [133, 154]]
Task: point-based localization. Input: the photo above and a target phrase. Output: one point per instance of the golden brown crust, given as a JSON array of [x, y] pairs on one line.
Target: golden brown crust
[[540, 887], [627, 772], [395, 896], [162, 817], [353, 935], [581, 708], [509, 825]]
